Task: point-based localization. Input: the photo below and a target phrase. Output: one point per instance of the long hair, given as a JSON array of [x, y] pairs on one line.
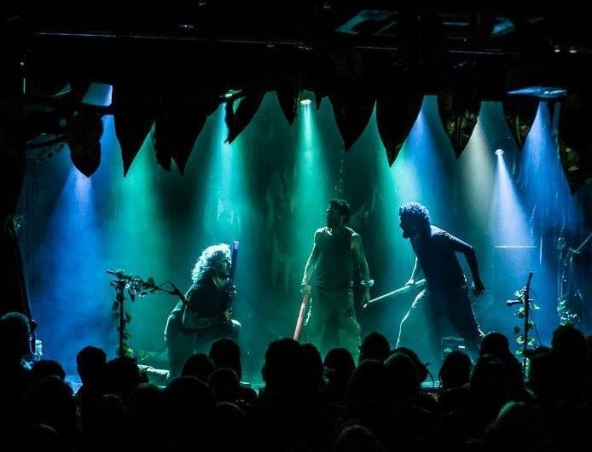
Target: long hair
[[207, 260]]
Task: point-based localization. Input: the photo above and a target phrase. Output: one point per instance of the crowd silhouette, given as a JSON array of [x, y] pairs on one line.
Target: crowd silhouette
[[307, 402]]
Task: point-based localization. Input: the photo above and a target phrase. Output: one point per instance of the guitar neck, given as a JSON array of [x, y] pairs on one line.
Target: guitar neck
[[233, 260]]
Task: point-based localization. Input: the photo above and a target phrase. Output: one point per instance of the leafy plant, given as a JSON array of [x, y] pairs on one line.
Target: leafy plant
[[522, 332], [135, 286], [567, 314]]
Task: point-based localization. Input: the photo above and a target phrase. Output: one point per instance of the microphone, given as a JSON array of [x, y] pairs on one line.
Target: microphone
[[121, 274], [513, 302], [136, 284]]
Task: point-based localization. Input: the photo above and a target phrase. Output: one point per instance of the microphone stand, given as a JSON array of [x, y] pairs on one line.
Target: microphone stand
[[119, 299], [135, 285], [526, 320]]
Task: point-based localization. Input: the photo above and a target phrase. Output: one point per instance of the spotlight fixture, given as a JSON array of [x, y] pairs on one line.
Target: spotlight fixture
[[499, 152], [98, 95], [232, 94], [83, 136], [305, 102]]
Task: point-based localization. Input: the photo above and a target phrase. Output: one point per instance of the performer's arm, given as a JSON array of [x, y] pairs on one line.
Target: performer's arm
[[361, 257], [360, 254], [230, 290], [478, 286], [310, 266], [417, 271], [191, 318], [469, 252]]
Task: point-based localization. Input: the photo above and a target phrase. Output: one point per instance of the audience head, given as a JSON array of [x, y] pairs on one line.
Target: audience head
[[189, 401], [489, 383], [226, 352], [50, 400], [374, 345], [422, 369], [455, 370], [230, 425], [494, 343], [145, 413], [370, 389], [517, 427], [339, 362], [15, 336], [90, 362], [314, 370], [40, 438], [225, 384], [120, 376], [46, 367], [283, 368], [404, 376], [145, 402], [569, 344], [199, 365], [543, 373], [357, 437]]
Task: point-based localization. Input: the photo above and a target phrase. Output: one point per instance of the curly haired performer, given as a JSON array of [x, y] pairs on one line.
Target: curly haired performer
[[206, 312], [445, 299]]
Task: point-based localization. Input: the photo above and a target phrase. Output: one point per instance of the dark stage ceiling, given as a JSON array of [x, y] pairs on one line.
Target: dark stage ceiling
[[210, 51], [321, 44]]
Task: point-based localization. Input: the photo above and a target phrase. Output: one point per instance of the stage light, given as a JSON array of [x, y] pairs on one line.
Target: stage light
[[232, 94], [499, 152], [98, 95], [72, 115], [521, 106], [83, 136]]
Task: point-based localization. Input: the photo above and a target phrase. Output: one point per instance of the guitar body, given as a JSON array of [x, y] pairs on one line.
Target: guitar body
[[191, 321]]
